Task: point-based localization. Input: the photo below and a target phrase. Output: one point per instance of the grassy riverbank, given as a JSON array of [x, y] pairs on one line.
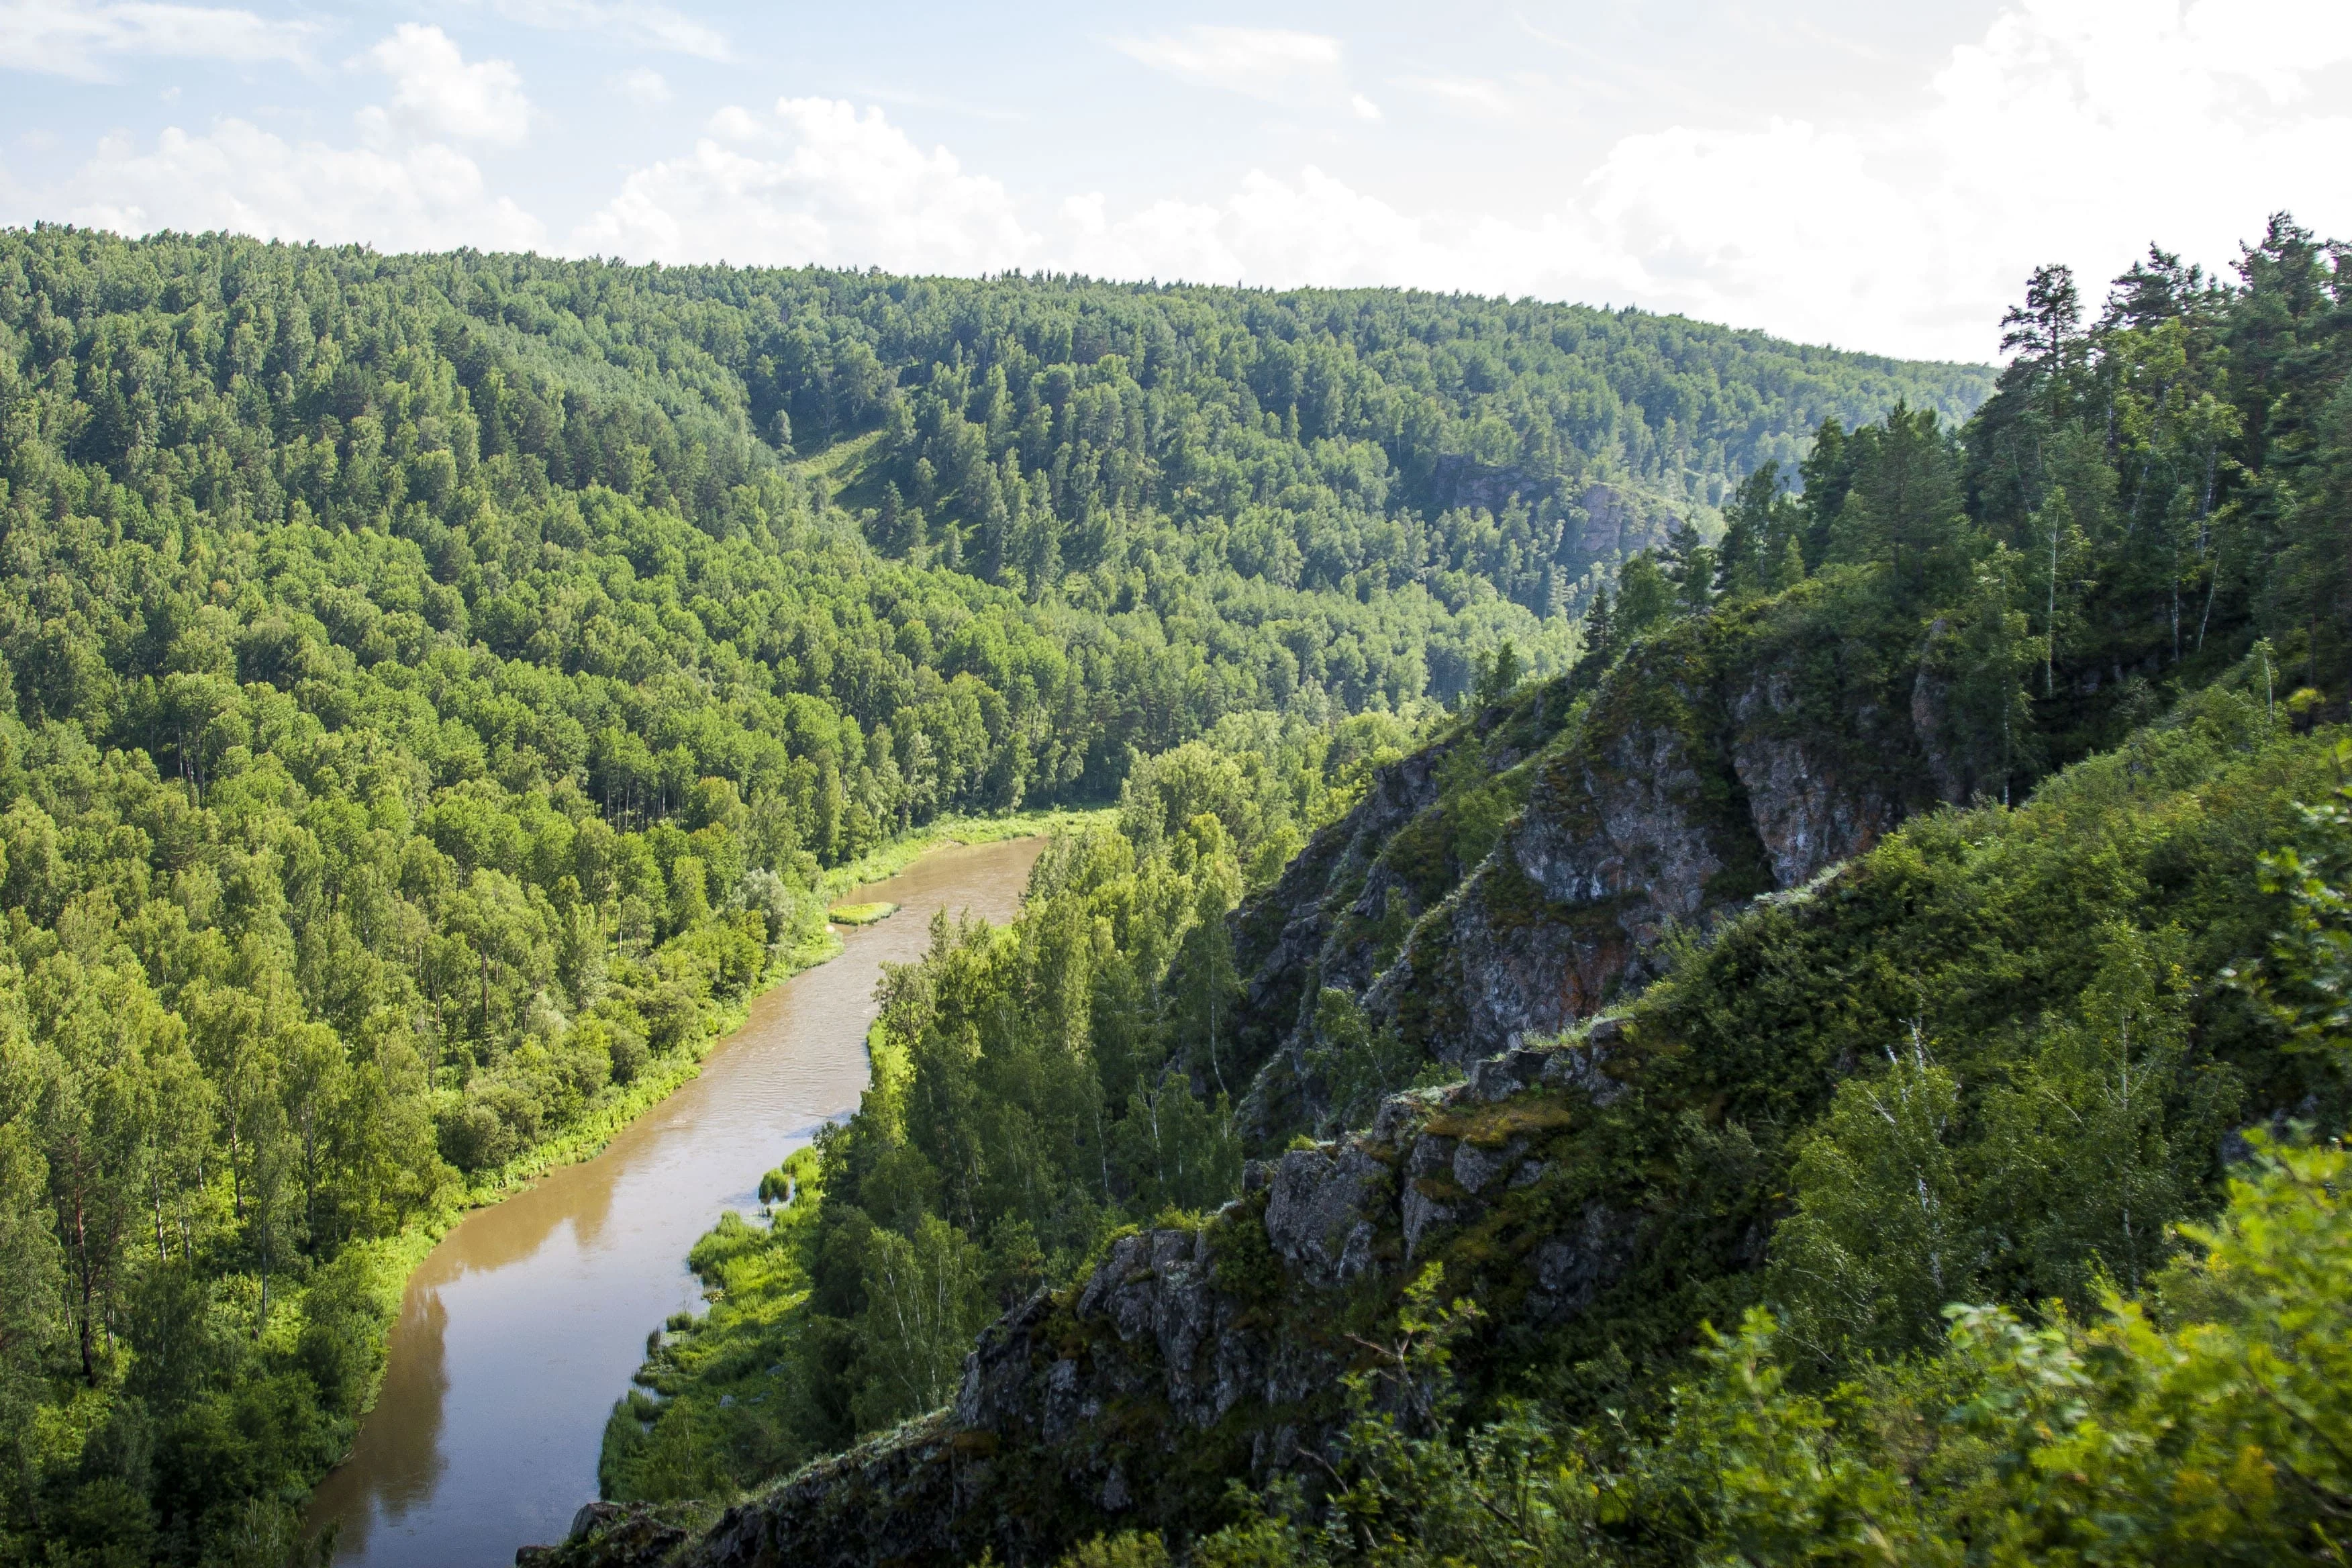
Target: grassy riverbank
[[389, 1262], [889, 859], [667, 1075]]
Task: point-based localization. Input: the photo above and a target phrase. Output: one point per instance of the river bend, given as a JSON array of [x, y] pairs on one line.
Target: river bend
[[520, 1329]]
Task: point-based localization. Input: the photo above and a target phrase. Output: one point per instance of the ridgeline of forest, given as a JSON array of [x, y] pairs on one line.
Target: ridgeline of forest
[[433, 690], [1846, 1071]]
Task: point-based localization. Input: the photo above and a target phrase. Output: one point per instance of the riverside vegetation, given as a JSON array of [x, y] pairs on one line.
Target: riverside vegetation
[[434, 690], [1847, 1071]]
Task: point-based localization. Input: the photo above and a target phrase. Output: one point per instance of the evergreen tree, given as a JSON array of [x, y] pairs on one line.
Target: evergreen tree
[[1691, 565], [1645, 599], [2045, 334], [1828, 473], [1903, 506], [1762, 525]]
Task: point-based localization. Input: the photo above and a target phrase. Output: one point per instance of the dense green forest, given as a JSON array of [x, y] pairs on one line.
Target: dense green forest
[[1989, 1329], [433, 690], [1025, 1101], [2012, 1055]]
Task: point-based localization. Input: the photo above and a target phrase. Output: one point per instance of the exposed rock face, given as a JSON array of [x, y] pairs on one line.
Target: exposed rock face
[[1187, 1357], [1283, 938], [1729, 757], [1616, 845], [1346, 903], [1809, 811], [1611, 523], [611, 1535]]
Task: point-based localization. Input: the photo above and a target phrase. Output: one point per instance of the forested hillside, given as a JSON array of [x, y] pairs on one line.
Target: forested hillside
[[1873, 929], [432, 689]]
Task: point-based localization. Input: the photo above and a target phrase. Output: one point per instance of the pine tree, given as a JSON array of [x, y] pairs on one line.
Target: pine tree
[[1690, 566], [1747, 551], [1904, 508], [1828, 473], [2045, 332], [2148, 293], [1645, 596], [1600, 631]]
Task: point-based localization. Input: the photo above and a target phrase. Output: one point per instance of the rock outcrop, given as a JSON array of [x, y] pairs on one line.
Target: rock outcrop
[[616, 1535], [1189, 1356], [1601, 523], [1731, 756], [1345, 904]]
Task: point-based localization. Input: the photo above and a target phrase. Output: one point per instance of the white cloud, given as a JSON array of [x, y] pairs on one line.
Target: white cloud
[[1474, 93], [1267, 231], [243, 178], [624, 21], [1318, 229], [437, 93], [649, 88], [736, 123], [820, 183], [66, 37], [1271, 63], [1364, 106], [2270, 42], [2075, 131]]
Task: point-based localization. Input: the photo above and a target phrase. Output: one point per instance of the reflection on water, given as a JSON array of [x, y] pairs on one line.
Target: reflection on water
[[520, 1331]]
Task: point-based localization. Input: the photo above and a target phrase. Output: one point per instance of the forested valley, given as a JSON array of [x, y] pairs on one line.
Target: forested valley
[[1846, 1067], [439, 689]]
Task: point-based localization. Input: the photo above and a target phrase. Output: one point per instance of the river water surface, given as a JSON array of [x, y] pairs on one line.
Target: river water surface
[[521, 1328]]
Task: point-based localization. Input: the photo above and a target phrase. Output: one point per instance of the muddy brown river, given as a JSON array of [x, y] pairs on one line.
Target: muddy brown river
[[521, 1328]]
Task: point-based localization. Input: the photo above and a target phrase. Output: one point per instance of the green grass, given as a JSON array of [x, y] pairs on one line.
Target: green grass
[[861, 914], [887, 860]]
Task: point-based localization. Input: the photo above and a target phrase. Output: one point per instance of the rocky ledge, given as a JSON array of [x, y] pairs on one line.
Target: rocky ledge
[[1730, 756], [1191, 1355]]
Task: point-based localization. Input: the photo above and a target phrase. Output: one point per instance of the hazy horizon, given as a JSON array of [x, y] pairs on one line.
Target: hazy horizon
[[1822, 171]]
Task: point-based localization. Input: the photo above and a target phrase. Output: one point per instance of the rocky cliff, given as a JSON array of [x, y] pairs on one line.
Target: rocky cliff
[[1733, 755], [1585, 528], [1599, 1193], [1192, 1355]]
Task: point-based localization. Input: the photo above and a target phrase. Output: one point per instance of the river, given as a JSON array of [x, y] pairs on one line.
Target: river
[[520, 1329]]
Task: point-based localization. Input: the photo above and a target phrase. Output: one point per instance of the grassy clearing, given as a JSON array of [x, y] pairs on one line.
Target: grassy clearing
[[861, 914]]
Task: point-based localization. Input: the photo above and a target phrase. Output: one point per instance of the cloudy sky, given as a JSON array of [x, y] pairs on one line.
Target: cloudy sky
[[1870, 174]]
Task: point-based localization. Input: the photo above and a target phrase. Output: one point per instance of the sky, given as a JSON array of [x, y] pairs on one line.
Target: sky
[[1873, 175]]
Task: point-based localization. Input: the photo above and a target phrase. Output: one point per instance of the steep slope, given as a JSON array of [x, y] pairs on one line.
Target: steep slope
[[1525, 868], [1599, 1194], [431, 687], [1686, 983]]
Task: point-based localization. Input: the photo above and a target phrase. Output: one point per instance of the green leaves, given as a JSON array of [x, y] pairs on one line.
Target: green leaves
[[2306, 986], [1882, 1234], [2214, 1433], [923, 1305]]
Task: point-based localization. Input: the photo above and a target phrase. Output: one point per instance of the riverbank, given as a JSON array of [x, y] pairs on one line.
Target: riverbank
[[391, 1262], [584, 1140]]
